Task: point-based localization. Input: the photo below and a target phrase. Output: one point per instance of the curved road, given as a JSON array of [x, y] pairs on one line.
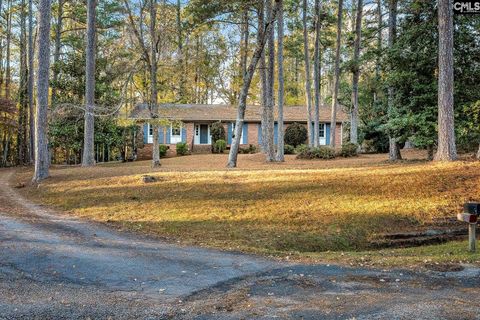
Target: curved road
[[56, 267]]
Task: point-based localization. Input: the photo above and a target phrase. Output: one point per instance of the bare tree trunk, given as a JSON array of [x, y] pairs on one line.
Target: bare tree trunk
[[263, 74], [478, 153], [42, 160], [242, 104], [88, 158], [22, 147], [281, 84], [356, 73], [181, 97], [317, 75], [153, 80], [245, 39], [336, 79], [394, 149], [30, 80], [447, 150], [379, 47], [308, 81], [270, 123], [58, 47], [8, 49]]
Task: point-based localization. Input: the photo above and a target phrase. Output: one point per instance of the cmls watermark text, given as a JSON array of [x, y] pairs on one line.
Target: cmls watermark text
[[466, 7]]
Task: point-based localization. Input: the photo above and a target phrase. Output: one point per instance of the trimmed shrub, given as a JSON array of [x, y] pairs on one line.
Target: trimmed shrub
[[220, 146], [296, 134], [250, 150], [316, 153], [349, 150], [217, 131], [301, 149], [163, 150], [182, 149], [288, 149]]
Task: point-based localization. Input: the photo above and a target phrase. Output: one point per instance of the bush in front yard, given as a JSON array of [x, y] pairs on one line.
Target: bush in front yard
[[250, 150], [301, 149], [217, 131], [296, 134], [288, 149], [163, 150], [182, 149], [316, 153], [349, 150], [220, 146]]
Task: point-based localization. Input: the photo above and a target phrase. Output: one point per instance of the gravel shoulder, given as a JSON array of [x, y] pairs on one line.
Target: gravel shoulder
[[53, 266]]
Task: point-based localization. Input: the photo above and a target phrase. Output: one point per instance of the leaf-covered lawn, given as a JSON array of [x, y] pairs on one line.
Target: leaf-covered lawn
[[295, 207]]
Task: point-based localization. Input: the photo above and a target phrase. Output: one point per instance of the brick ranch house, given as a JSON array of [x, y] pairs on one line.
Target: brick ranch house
[[196, 120]]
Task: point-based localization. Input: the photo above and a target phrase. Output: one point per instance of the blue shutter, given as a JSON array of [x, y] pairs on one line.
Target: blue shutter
[[161, 135], [245, 133], [275, 133], [230, 133], [169, 132], [260, 134], [327, 135], [184, 134], [145, 133]]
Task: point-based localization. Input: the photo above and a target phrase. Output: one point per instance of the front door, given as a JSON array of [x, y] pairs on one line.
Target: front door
[[204, 134]]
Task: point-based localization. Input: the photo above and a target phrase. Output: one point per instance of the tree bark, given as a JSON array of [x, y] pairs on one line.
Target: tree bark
[[8, 78], [58, 47], [263, 73], [317, 74], [379, 48], [356, 73], [394, 148], [447, 150], [153, 82], [336, 83], [88, 158], [308, 81], [182, 84], [270, 123], [30, 81], [478, 153], [242, 104], [22, 146], [281, 84], [42, 160]]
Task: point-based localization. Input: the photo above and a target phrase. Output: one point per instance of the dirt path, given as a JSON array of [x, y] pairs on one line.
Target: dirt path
[[56, 267]]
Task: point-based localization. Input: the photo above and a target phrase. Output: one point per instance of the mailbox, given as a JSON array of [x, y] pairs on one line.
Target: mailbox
[[472, 208], [467, 217], [471, 211]]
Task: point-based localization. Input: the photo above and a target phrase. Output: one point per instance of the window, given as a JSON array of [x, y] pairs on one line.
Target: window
[[321, 129], [233, 129], [150, 130], [176, 131], [197, 130]]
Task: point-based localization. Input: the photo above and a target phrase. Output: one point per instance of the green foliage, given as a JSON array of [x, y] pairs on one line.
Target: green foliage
[[250, 150], [349, 150], [296, 134], [288, 149], [217, 131], [324, 153], [182, 149], [220, 146], [163, 150], [301, 148]]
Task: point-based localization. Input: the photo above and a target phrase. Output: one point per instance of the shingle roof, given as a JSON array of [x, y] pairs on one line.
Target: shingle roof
[[203, 112]]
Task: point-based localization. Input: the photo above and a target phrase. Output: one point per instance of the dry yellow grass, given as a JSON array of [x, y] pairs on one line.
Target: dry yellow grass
[[296, 206]]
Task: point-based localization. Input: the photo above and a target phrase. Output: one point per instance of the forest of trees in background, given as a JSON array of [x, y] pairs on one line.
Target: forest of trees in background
[[199, 51]]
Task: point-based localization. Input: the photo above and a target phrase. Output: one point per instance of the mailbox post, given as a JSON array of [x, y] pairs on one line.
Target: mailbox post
[[470, 215]]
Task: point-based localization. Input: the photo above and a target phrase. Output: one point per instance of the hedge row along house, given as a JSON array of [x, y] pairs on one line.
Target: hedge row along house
[[191, 124]]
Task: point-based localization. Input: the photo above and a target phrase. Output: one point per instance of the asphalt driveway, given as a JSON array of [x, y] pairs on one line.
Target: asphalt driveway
[[53, 266]]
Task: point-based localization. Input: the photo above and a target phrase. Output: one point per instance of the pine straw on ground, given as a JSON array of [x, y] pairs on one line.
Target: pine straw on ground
[[299, 207]]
